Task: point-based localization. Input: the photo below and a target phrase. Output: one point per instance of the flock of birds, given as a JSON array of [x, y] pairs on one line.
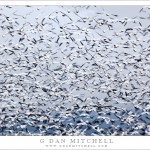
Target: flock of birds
[[74, 70]]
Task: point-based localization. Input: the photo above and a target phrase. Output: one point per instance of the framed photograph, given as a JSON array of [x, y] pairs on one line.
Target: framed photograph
[[74, 75]]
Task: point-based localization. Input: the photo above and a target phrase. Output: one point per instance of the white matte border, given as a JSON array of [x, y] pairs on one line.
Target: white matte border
[[75, 142], [50, 2]]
